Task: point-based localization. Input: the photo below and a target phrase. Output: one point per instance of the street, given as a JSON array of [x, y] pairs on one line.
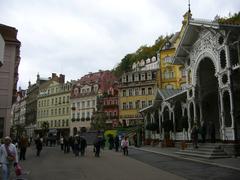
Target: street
[[55, 165]]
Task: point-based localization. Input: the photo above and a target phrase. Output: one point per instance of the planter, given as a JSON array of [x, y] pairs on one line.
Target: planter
[[167, 143], [183, 145]]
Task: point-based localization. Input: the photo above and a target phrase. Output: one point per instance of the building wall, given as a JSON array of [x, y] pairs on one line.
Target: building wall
[[8, 76], [136, 93], [171, 76], [53, 106]]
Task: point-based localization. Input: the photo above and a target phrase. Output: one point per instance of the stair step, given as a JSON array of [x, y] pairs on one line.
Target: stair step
[[202, 155], [204, 152]]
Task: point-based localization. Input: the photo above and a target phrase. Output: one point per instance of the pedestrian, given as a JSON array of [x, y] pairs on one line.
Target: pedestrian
[[111, 141], [135, 140], [116, 143], [203, 131], [194, 135], [66, 143], [124, 145], [212, 132], [97, 145], [83, 145], [23, 144], [76, 145], [62, 142], [39, 145], [8, 157]]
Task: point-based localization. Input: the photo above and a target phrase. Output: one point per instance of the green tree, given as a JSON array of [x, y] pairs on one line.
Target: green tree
[[99, 121]]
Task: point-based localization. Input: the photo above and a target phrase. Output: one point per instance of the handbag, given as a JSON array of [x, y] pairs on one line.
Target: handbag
[[18, 170]]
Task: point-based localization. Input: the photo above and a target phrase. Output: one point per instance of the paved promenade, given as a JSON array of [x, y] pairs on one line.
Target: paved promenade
[[55, 165]]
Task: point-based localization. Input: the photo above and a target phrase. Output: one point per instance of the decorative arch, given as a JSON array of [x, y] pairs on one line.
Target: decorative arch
[[205, 54]]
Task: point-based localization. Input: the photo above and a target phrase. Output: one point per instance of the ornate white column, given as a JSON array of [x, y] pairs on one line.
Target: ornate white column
[[222, 114], [230, 90]]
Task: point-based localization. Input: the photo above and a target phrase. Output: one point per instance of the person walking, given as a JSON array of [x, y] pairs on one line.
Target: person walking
[[97, 145], [62, 142], [76, 143], [8, 157], [23, 144], [124, 145], [116, 143], [39, 145], [194, 135], [83, 145], [111, 141]]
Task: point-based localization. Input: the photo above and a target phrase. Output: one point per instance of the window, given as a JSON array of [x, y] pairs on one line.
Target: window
[[124, 92], [136, 77], [130, 105], [136, 92], [124, 106], [48, 102], [60, 100], [142, 77], [59, 123], [143, 91], [52, 101], [51, 112], [63, 110], [67, 99], [55, 123], [88, 103], [88, 114], [55, 100], [143, 104], [83, 114], [55, 112], [59, 111], [67, 122], [73, 115], [130, 92], [183, 72], [93, 103], [149, 76], [78, 104], [51, 123], [63, 99], [63, 123], [83, 104], [149, 91], [149, 102], [73, 104], [67, 110], [137, 105], [78, 115]]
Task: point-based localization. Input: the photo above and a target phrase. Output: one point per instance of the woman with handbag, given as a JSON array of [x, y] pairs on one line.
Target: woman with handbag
[[8, 157]]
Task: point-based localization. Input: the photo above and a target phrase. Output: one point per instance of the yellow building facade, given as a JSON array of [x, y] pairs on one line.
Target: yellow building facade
[[137, 90], [53, 106]]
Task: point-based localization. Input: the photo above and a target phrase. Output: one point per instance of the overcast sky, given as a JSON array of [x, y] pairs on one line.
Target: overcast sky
[[74, 37]]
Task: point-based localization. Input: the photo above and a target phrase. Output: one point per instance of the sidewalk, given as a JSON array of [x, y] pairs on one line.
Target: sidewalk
[[231, 163]]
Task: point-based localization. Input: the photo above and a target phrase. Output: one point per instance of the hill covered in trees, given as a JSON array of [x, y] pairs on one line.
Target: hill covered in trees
[[143, 52]]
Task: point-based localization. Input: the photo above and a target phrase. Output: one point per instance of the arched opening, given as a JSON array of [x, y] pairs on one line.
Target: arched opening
[[83, 129], [226, 105], [178, 116], [207, 87]]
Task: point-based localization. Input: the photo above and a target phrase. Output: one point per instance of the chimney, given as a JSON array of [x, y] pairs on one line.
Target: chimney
[[62, 78]]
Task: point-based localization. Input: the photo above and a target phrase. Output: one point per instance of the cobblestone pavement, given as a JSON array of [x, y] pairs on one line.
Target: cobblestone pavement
[[55, 165]]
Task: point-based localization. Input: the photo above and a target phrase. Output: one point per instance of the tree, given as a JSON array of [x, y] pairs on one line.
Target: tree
[[99, 121]]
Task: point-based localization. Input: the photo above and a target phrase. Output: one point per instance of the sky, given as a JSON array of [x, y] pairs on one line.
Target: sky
[[75, 37]]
